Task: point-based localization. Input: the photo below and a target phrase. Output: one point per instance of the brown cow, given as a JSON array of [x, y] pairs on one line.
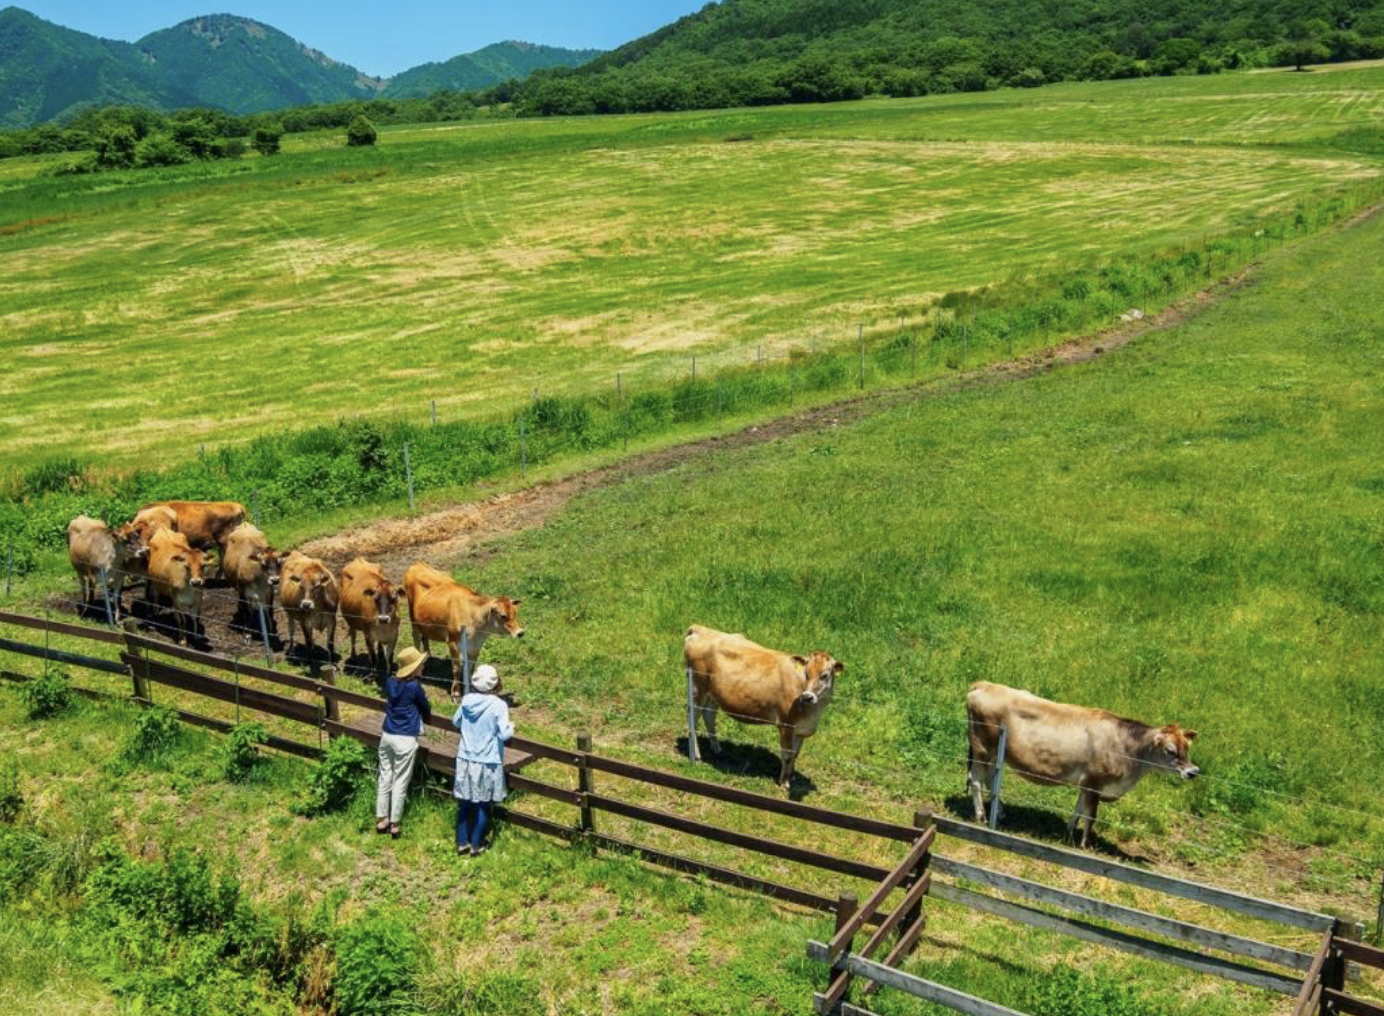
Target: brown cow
[[309, 593], [100, 560], [206, 524], [758, 685], [253, 568], [370, 606], [442, 608], [1101, 754], [140, 530], [175, 576]]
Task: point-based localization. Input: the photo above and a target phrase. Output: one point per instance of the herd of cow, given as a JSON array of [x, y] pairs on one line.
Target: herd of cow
[[1097, 752], [165, 545]]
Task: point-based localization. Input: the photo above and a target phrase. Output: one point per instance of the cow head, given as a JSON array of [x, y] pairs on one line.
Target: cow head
[[819, 671], [503, 618], [131, 540], [315, 580], [271, 564], [386, 599], [1168, 750], [191, 560]]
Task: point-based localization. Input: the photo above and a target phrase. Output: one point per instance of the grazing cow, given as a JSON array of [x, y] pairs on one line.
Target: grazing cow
[[442, 608], [206, 524], [758, 685], [309, 593], [1100, 753], [175, 576], [253, 567], [370, 606], [100, 557]]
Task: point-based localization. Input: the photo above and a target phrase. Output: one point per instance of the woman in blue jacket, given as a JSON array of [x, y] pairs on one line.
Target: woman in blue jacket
[[406, 709], [483, 724]]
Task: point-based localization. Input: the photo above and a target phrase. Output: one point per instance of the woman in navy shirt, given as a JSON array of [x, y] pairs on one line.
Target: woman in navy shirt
[[406, 709]]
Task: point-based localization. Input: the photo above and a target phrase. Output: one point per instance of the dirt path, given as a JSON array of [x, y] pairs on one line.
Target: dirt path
[[451, 535]]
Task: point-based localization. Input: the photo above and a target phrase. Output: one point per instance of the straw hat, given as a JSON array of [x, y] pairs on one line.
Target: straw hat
[[409, 661], [484, 679]]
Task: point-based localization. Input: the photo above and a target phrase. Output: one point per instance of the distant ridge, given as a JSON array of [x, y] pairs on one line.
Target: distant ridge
[[222, 61]]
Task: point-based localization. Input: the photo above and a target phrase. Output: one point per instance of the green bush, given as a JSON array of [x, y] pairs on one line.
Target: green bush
[[157, 734], [1068, 992], [240, 754], [337, 779], [360, 133], [11, 799], [47, 695], [265, 140], [377, 961]]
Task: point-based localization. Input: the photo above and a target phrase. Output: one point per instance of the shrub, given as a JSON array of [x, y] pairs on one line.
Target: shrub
[[360, 133], [160, 150], [157, 733], [376, 966], [181, 895], [47, 695], [265, 140], [11, 800], [241, 754], [337, 778]]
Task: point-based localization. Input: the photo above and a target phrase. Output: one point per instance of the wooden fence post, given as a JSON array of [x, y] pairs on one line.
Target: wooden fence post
[[847, 903], [922, 821], [1333, 972], [137, 671], [585, 783], [331, 708]]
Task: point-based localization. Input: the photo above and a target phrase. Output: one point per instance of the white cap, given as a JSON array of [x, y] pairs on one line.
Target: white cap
[[484, 679]]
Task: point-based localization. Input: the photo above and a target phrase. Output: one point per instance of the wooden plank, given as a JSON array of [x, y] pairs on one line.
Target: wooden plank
[[1311, 984], [540, 750], [1092, 865], [59, 656], [215, 661], [1337, 1001], [225, 691], [554, 793], [891, 881], [841, 985], [1148, 948], [277, 743], [1181, 931], [1366, 955], [907, 940], [761, 802], [759, 844], [911, 984], [81, 631], [354, 698]]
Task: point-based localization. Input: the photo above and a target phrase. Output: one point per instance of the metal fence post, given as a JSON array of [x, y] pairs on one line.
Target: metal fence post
[[694, 368], [691, 718], [465, 662], [793, 382], [965, 344], [997, 778], [408, 471], [523, 452], [106, 596], [625, 428], [585, 783], [264, 635], [720, 402]]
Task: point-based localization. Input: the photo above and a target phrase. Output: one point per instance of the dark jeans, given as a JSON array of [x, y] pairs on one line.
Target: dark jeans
[[473, 818]]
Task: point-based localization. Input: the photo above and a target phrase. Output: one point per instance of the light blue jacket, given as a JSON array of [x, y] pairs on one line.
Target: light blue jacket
[[483, 721]]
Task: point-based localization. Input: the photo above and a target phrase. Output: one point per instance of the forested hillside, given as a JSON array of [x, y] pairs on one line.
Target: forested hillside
[[498, 62], [749, 52]]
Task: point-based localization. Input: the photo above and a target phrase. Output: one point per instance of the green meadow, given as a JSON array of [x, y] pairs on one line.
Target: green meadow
[[147, 313]]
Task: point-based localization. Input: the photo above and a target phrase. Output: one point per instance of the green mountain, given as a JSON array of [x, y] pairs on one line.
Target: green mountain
[[220, 61], [243, 66], [746, 52], [47, 71], [495, 63]]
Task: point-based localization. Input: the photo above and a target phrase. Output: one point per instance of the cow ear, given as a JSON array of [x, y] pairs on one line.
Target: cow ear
[[800, 661], [839, 667], [516, 602], [1191, 735]]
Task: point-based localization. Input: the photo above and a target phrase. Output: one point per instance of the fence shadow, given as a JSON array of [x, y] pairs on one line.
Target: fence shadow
[[738, 759], [1040, 824]]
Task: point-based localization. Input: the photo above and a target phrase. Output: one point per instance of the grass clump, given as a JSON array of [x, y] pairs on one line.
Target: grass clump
[[1068, 992], [337, 778], [156, 735], [11, 798], [377, 963], [47, 695], [240, 753]]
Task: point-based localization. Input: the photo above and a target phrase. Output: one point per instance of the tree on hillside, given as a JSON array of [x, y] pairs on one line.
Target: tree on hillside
[[115, 147], [265, 140], [1305, 45], [361, 132]]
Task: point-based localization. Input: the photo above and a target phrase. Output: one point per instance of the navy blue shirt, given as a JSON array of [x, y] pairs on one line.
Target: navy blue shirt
[[406, 707]]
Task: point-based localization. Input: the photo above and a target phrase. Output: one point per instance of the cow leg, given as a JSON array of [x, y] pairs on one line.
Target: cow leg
[[1092, 803], [978, 779], [308, 647], [706, 709], [789, 746], [331, 644], [454, 650], [352, 654]]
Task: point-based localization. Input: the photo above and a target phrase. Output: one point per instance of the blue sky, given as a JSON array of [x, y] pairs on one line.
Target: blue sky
[[386, 38]]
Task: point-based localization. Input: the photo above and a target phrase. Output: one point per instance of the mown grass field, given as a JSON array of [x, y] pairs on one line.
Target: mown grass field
[[146, 314], [1189, 529]]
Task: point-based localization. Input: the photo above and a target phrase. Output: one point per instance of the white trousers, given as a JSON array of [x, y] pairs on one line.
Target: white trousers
[[397, 752]]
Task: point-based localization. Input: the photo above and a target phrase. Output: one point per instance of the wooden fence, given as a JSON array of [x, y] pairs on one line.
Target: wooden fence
[[1318, 980]]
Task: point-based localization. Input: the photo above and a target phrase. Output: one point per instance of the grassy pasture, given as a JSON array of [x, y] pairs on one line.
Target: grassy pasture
[[147, 313]]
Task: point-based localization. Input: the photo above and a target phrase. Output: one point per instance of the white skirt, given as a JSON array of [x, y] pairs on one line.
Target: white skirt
[[479, 781]]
